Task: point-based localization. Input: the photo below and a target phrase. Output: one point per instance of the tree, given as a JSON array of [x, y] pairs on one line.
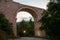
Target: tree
[[30, 28], [25, 26], [51, 21], [5, 26], [21, 27]]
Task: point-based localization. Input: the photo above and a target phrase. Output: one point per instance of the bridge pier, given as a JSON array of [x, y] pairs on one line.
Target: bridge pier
[[14, 27], [37, 30]]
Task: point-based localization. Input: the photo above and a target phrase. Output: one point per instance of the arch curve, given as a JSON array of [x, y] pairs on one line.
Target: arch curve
[[29, 10]]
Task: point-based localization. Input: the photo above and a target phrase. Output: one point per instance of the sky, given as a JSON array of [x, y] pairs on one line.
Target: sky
[[24, 16], [34, 3]]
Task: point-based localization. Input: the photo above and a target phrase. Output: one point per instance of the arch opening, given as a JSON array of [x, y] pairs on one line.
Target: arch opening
[[35, 16], [25, 24]]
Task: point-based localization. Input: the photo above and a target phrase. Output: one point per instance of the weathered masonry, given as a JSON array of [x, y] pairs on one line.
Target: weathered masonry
[[10, 10]]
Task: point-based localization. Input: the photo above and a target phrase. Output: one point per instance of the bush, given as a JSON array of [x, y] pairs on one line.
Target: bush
[[5, 26]]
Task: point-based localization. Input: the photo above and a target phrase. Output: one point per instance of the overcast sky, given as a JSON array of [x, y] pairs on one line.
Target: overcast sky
[[24, 16], [35, 3]]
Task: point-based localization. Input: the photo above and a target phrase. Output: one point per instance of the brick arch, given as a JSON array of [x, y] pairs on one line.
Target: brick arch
[[29, 10], [32, 12], [10, 10]]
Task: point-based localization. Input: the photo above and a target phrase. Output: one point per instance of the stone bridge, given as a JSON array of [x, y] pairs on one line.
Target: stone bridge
[[11, 8]]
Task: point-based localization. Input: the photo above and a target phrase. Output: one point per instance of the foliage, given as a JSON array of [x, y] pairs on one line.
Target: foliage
[[5, 26], [51, 21], [27, 26]]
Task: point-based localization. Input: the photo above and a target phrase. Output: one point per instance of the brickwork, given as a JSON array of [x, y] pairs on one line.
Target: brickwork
[[10, 10]]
